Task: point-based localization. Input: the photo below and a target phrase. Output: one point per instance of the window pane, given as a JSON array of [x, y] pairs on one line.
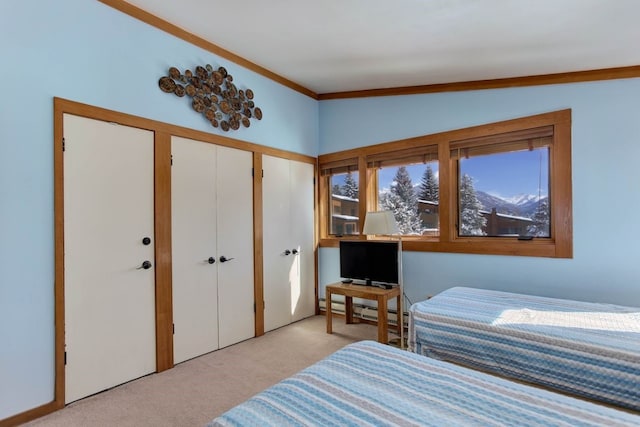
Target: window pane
[[411, 193], [344, 203], [504, 194]]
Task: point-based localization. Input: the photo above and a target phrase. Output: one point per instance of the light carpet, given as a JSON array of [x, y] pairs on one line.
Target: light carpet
[[198, 390]]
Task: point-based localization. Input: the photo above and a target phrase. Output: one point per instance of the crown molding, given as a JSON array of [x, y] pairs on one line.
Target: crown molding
[[543, 79], [535, 80], [176, 31]]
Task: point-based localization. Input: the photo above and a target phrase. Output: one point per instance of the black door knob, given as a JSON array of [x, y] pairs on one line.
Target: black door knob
[[225, 259], [295, 252], [287, 252], [146, 265], [146, 241], [211, 260]]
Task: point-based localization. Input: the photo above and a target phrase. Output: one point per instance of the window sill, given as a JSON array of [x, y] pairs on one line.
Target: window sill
[[480, 246]]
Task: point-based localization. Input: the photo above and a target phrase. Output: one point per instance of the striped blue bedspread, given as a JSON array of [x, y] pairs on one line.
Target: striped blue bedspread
[[587, 349], [371, 384]]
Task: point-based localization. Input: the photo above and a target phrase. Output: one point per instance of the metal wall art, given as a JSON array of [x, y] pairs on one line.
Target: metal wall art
[[213, 94]]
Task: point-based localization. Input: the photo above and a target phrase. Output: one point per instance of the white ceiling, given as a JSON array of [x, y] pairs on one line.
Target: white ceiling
[[344, 45]]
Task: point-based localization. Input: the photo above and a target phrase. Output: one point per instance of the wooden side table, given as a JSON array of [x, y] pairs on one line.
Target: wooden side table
[[380, 295]]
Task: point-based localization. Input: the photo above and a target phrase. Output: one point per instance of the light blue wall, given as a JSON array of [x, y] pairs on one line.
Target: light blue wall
[[87, 52], [606, 185]]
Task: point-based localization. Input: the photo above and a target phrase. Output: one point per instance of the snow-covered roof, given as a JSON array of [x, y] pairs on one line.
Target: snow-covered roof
[[428, 202], [520, 218], [346, 217], [340, 197]]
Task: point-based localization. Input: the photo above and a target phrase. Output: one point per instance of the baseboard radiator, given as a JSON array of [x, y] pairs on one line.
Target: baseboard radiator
[[362, 311]]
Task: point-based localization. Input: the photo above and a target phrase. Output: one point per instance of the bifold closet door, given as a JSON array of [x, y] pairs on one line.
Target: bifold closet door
[[193, 246], [235, 243], [278, 266], [289, 260], [212, 233], [302, 232], [108, 255]]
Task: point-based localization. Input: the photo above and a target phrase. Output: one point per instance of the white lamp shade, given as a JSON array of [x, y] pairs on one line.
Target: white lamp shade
[[380, 222]]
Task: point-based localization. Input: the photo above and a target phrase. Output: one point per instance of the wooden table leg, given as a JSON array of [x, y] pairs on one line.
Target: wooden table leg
[[382, 320], [348, 309], [400, 314], [328, 311]]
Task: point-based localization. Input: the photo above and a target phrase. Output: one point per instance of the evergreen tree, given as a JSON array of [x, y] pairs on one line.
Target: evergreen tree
[[336, 190], [402, 201], [540, 226], [404, 187], [350, 187], [471, 220], [429, 186]]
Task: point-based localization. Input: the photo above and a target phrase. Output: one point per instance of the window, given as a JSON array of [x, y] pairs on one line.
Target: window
[[501, 188], [408, 186], [343, 190], [503, 184]]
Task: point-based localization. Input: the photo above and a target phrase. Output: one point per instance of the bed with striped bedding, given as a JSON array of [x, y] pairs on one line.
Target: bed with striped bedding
[[587, 349], [371, 384]]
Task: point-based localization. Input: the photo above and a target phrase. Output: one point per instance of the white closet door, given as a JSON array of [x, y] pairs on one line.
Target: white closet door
[[193, 222], [278, 266], [302, 236], [108, 210], [235, 242]]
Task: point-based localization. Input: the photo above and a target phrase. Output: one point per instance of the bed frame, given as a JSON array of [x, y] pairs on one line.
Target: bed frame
[[586, 349], [371, 384]]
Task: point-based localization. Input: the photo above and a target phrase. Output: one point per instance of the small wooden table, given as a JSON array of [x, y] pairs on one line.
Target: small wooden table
[[350, 290]]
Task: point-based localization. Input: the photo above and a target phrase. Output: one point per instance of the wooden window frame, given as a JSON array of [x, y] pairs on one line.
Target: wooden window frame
[[325, 173], [558, 245]]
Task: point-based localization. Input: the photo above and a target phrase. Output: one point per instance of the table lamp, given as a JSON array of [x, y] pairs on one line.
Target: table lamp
[[383, 223]]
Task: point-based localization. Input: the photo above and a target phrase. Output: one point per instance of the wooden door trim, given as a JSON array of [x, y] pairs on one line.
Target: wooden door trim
[[92, 112], [316, 237], [164, 316], [163, 257], [58, 207], [258, 242], [59, 287]]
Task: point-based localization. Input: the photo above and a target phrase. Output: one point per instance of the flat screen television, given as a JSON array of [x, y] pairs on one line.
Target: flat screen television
[[369, 261]]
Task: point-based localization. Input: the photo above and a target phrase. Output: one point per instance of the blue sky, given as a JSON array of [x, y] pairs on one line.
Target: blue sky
[[504, 175], [510, 174]]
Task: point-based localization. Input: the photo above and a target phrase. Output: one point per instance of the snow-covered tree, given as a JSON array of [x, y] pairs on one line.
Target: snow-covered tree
[[429, 186], [405, 215], [404, 187], [540, 226], [402, 201], [350, 187], [471, 220], [336, 190]]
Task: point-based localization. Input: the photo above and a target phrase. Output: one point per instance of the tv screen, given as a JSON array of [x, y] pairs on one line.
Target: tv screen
[[369, 261]]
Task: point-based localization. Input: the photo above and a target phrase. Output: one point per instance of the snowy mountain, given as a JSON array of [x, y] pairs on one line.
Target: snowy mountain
[[529, 208], [489, 202], [522, 199], [520, 205]]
